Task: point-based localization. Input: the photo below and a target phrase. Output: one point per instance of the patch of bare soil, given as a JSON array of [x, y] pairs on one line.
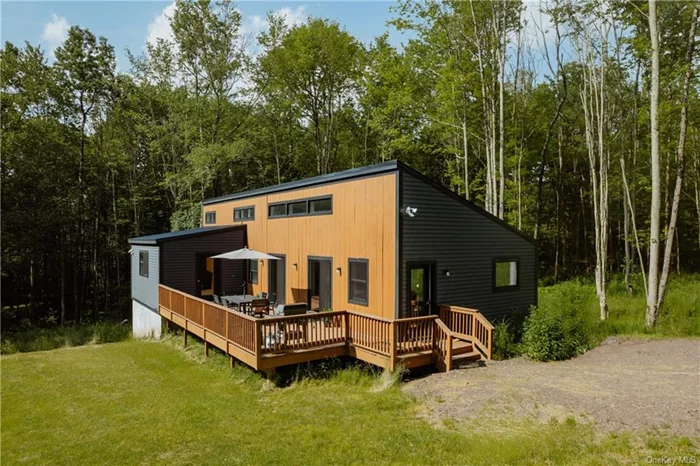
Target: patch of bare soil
[[624, 384]]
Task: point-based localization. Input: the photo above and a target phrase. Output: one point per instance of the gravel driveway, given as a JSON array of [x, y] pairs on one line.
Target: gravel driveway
[[624, 384]]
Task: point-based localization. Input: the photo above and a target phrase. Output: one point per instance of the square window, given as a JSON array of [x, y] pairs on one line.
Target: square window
[[143, 263], [210, 217], [297, 208], [277, 210], [319, 206], [358, 285], [506, 273]]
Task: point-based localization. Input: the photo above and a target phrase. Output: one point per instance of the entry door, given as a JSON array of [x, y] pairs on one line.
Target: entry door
[[277, 280], [320, 283], [421, 289], [206, 275]]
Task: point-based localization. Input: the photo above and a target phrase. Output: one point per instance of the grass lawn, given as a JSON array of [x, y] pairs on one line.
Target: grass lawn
[[147, 402]]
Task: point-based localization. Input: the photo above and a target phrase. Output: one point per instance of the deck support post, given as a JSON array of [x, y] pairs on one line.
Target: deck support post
[[185, 338], [231, 362], [206, 346]]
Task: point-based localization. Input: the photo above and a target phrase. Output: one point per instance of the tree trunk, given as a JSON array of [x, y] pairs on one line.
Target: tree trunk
[[654, 229], [680, 171]]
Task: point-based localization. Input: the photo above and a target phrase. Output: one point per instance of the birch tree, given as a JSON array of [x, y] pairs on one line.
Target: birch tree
[[654, 227]]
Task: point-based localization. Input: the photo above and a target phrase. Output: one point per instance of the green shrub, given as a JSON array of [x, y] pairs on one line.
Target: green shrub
[[560, 328], [552, 335], [505, 344]]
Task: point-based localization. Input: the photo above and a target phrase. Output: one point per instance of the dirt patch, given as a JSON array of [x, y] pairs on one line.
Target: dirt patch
[[624, 384]]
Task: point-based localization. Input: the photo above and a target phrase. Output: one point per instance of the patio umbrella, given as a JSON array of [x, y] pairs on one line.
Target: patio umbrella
[[245, 254]]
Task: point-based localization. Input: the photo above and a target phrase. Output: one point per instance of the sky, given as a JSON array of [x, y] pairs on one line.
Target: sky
[[130, 24]]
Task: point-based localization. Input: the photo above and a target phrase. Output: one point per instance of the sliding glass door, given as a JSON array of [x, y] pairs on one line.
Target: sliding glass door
[[320, 283]]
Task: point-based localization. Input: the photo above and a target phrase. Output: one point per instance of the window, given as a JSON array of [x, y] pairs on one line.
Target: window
[[318, 206], [143, 263], [505, 273], [244, 213], [278, 210], [297, 208], [253, 271], [300, 207], [358, 286], [210, 217]]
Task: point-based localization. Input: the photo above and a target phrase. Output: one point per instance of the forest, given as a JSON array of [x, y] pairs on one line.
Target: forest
[[580, 130]]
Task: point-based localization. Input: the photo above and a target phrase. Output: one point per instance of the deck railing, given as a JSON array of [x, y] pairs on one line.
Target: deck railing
[[370, 332], [470, 325], [443, 345], [414, 334], [253, 339], [278, 334]]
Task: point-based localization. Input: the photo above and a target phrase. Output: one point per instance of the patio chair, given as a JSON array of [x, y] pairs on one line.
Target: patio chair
[[294, 330], [259, 307], [217, 299]]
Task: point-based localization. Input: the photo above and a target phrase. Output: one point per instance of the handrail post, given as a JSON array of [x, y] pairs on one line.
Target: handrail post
[[392, 345], [448, 362], [490, 343]]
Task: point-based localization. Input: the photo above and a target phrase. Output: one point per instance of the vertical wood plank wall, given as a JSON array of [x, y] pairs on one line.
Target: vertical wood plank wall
[[363, 225]]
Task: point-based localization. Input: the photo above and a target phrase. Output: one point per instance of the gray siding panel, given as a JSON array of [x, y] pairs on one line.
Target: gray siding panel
[[179, 260], [465, 242], [145, 289]]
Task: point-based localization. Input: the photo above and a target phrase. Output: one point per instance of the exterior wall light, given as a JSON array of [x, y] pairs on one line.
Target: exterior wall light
[[294, 265], [447, 273], [337, 270]]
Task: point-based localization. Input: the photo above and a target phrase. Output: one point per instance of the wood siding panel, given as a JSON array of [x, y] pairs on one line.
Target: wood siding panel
[[465, 242], [362, 225]]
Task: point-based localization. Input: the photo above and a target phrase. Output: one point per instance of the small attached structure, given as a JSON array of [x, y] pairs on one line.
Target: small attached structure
[[181, 260]]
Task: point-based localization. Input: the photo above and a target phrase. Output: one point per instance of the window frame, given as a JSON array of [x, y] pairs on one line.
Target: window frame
[[502, 288], [207, 220], [308, 212], [250, 271], [277, 204], [244, 209], [143, 263], [351, 299], [305, 203]]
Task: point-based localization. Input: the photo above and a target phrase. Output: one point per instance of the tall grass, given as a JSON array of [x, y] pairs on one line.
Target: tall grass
[[43, 339], [680, 315], [574, 305]]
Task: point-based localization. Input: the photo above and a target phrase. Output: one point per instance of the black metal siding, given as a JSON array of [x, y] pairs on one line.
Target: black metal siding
[[178, 260], [465, 242]]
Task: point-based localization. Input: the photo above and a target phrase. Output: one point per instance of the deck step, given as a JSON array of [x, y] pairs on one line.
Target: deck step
[[461, 347], [471, 356]]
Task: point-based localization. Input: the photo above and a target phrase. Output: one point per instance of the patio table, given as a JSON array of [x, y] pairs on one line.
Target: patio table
[[243, 301]]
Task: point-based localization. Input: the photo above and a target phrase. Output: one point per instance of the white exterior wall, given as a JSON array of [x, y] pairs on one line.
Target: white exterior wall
[[146, 323]]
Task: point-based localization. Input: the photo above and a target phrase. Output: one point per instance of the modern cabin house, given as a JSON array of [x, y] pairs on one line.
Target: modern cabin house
[[403, 270]]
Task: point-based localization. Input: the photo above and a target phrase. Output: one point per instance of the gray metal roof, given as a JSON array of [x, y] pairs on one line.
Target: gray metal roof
[[174, 235], [384, 167]]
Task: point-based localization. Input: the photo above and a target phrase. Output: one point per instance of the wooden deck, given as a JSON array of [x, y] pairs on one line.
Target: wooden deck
[[267, 343]]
